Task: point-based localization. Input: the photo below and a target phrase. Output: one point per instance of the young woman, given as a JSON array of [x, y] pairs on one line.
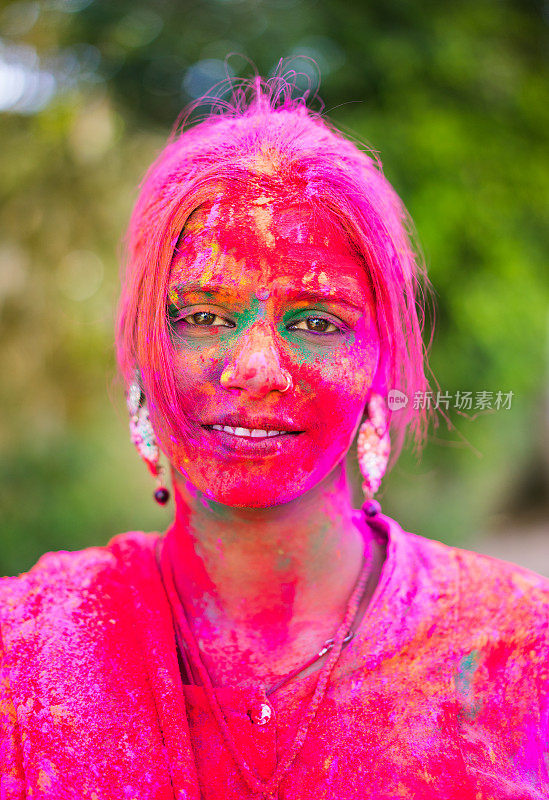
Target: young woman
[[274, 642]]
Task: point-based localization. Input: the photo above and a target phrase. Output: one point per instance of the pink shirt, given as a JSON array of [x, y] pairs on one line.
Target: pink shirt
[[443, 693]]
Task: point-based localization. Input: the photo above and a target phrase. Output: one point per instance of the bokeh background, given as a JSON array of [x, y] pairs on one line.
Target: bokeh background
[[455, 98]]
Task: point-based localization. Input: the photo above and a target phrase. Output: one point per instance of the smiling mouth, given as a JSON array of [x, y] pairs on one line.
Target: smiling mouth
[[250, 433]]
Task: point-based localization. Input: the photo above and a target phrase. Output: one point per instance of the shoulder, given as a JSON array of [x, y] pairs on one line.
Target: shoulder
[[62, 581], [456, 649], [56, 567], [490, 584], [487, 599]]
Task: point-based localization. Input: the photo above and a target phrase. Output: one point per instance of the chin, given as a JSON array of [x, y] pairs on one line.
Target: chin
[[245, 483], [260, 490], [257, 496], [252, 490]]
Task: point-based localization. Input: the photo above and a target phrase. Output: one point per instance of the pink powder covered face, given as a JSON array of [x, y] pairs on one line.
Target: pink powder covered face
[[260, 292], [270, 144]]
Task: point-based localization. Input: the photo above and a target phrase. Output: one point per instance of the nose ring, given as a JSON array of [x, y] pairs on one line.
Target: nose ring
[[289, 382]]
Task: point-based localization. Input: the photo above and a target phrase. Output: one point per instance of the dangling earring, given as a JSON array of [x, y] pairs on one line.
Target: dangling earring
[[374, 448], [142, 435]]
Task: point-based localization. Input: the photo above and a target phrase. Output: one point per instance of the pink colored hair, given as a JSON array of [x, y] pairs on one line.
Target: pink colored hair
[[265, 135]]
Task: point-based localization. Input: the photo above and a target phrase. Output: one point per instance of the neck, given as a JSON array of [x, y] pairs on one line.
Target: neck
[[266, 570]]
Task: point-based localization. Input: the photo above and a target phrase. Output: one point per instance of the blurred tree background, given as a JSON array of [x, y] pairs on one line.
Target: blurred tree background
[[454, 96]]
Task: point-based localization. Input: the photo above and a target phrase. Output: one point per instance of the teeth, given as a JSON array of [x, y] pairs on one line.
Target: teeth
[[255, 433], [242, 432]]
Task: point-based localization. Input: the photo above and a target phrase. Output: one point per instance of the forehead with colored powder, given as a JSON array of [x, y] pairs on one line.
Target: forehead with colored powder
[[261, 240]]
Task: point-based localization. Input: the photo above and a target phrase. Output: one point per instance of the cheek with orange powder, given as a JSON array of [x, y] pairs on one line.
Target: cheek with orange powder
[[247, 269]]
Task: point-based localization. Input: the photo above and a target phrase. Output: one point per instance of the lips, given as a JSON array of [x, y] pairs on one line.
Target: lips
[[244, 424], [243, 437], [253, 433]]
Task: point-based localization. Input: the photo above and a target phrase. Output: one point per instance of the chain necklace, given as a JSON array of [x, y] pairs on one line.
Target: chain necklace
[[332, 647]]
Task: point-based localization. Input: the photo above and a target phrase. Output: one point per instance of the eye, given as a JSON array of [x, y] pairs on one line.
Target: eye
[[314, 325], [207, 319]]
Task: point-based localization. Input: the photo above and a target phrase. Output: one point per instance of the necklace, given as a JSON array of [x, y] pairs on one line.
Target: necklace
[[332, 647]]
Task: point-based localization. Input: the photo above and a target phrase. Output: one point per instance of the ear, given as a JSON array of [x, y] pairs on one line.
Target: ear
[[135, 396], [141, 430], [381, 377]]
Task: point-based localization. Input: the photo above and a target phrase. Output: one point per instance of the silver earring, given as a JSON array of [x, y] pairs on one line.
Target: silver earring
[[374, 448], [142, 436]]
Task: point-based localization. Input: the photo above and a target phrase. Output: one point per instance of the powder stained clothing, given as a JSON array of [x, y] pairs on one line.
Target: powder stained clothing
[[443, 692]]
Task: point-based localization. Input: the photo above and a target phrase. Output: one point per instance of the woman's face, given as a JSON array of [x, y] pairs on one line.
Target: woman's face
[[262, 294]]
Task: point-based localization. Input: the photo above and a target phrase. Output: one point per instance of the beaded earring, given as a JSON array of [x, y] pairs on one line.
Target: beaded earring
[[374, 448], [142, 436]]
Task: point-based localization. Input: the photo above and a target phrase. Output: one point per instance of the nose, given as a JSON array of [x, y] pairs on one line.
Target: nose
[[255, 366]]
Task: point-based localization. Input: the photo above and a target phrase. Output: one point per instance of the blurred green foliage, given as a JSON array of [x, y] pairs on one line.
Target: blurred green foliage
[[455, 97]]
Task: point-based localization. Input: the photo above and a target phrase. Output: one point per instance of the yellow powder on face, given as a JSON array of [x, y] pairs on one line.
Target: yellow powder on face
[[240, 267], [44, 780], [262, 217], [61, 714], [261, 201], [212, 260], [265, 163], [195, 222]]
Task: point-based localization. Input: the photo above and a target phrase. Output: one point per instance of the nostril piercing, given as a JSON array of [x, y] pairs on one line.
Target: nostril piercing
[[289, 382]]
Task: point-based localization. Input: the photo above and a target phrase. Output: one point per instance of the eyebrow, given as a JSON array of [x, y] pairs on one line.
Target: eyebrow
[[343, 296], [206, 289]]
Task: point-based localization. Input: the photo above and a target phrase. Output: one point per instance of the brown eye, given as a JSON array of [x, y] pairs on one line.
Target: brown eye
[[315, 325], [207, 319], [203, 318], [318, 324]]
